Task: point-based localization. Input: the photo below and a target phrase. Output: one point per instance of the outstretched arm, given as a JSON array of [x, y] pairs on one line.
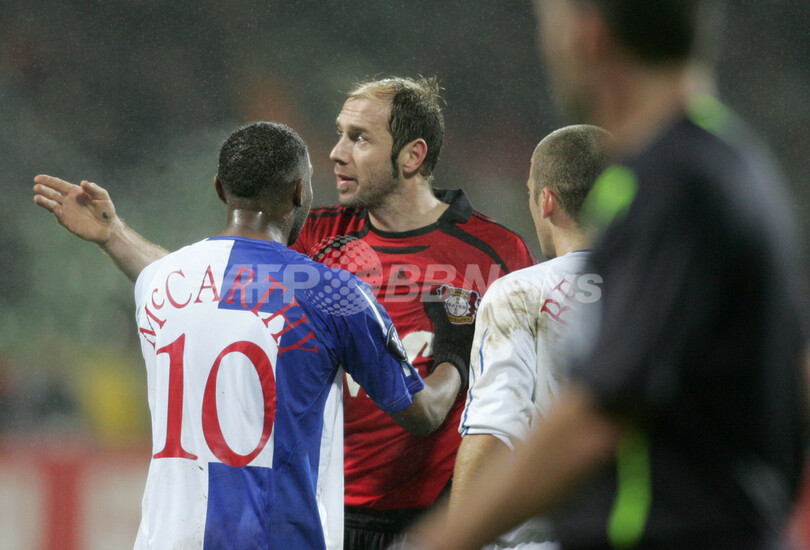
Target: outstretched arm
[[87, 211]]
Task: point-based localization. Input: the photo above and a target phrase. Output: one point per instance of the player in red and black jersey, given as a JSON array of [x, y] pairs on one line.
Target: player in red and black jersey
[[462, 252], [428, 256], [409, 241]]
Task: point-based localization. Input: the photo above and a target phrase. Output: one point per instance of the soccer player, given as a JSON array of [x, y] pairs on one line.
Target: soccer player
[[244, 341], [682, 421], [518, 353], [416, 241], [409, 241]]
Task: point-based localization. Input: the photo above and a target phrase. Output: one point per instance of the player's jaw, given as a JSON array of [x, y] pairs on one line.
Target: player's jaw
[[369, 191]]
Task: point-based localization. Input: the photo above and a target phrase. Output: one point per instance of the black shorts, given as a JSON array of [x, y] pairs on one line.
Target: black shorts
[[366, 529]]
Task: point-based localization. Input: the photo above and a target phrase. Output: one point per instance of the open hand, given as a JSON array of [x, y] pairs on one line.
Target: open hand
[[85, 210]]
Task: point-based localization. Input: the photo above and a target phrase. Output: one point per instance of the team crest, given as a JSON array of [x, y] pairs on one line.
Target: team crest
[[460, 304]]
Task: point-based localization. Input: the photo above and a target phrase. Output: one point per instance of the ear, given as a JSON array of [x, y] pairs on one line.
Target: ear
[[298, 193], [412, 156], [548, 202], [220, 190]]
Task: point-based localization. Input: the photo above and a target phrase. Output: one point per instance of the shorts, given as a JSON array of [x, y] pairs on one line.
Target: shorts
[[367, 529]]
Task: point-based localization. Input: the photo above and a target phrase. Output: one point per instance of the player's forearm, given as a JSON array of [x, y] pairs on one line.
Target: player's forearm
[[129, 250], [475, 454], [573, 441], [440, 393], [431, 405]]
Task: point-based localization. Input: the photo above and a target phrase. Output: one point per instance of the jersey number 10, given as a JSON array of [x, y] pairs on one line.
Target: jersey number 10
[[210, 417]]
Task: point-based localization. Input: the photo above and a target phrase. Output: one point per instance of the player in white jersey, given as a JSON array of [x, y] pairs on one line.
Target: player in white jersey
[[518, 354], [244, 341]]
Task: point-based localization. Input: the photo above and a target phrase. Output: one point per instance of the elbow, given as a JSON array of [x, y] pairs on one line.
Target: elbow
[[425, 425], [419, 420], [428, 426]]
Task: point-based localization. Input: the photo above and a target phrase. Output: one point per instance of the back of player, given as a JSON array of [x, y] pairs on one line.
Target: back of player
[[519, 355], [243, 340], [517, 362]]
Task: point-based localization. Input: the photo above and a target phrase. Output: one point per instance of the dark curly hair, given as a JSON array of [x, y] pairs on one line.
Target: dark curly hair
[[261, 157]]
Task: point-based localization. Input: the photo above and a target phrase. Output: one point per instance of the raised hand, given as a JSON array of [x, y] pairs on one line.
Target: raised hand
[[85, 210]]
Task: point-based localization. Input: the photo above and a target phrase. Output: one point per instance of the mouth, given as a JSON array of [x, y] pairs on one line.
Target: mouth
[[344, 181]]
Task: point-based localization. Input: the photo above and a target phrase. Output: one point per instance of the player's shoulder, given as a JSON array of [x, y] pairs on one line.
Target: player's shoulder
[[481, 223], [167, 262], [534, 282], [523, 285], [572, 263], [504, 246], [500, 235], [325, 222], [337, 296]]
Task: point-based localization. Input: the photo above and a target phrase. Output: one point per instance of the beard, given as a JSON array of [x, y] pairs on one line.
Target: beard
[[375, 191]]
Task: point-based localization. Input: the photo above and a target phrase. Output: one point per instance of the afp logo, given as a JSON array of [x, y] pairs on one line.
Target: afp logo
[[460, 304]]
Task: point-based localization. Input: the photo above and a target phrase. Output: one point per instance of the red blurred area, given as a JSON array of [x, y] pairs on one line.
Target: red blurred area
[[63, 495]]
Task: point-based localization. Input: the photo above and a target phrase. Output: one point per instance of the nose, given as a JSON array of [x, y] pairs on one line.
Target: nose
[[339, 152]]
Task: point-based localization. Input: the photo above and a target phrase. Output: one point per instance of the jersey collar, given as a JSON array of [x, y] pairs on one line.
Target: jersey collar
[[459, 211]]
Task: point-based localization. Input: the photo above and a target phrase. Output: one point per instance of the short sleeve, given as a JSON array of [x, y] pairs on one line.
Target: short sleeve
[[142, 282], [503, 364], [372, 352]]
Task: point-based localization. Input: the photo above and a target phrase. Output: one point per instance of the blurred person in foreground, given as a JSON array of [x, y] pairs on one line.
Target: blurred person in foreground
[[682, 421], [518, 354], [427, 253], [244, 347]]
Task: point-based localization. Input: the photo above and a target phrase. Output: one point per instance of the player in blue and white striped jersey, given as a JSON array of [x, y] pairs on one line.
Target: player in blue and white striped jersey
[[245, 342]]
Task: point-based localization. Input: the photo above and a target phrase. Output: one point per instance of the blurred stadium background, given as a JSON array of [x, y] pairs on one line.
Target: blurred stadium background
[[137, 95]]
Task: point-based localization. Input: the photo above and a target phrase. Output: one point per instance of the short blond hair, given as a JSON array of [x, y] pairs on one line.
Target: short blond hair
[[568, 161], [415, 113]]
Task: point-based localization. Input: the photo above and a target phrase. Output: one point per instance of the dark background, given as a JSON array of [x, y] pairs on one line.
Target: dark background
[[138, 95]]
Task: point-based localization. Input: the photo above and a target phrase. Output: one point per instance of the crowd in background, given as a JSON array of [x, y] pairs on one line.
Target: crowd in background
[[138, 96]]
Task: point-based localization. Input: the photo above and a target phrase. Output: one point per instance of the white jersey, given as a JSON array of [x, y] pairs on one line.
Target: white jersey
[[518, 359], [243, 342]]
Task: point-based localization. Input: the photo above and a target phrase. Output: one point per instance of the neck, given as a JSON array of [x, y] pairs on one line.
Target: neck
[[254, 224], [636, 108], [414, 207], [569, 239]]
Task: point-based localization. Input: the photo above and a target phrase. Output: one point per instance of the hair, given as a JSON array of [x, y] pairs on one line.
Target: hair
[[662, 31], [568, 161], [415, 113], [261, 157]]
